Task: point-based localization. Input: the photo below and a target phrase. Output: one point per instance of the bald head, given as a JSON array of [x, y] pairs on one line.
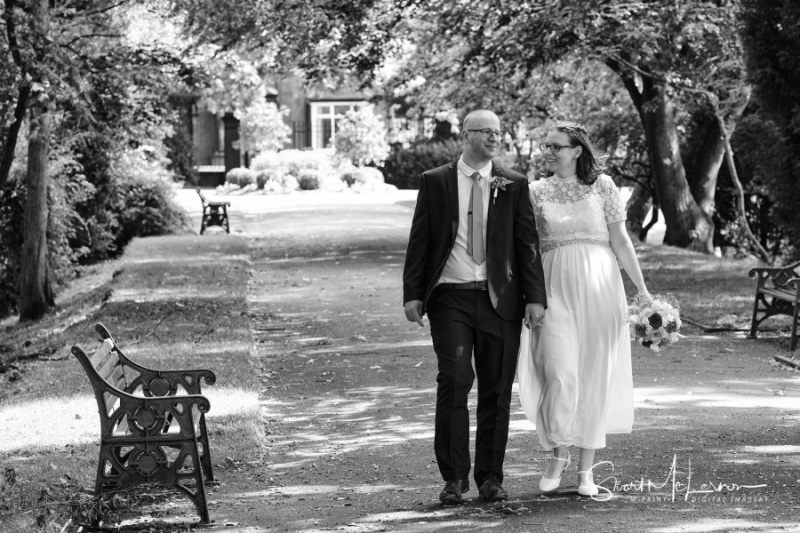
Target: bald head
[[481, 118]]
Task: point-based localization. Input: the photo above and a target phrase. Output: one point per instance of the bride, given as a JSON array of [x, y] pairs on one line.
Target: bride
[[575, 381]]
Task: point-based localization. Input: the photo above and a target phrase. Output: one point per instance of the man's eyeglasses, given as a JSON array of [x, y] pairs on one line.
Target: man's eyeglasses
[[555, 148], [487, 133]]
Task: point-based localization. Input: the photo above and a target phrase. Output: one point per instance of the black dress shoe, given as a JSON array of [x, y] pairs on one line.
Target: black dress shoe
[[451, 494], [492, 491]]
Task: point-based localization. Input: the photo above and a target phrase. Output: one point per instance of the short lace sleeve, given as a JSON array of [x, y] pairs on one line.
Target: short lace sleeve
[[535, 192], [613, 205]]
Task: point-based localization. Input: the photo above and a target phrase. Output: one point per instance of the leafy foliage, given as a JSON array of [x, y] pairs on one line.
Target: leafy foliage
[[361, 137], [240, 176], [108, 95], [670, 57], [272, 181], [262, 127], [235, 82], [310, 180], [145, 208], [288, 170], [404, 166], [12, 205], [771, 34], [362, 176]]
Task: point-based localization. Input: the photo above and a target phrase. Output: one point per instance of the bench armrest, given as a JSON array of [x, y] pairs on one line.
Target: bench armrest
[[119, 408], [156, 383], [160, 382], [794, 283], [767, 271], [148, 417], [780, 276]]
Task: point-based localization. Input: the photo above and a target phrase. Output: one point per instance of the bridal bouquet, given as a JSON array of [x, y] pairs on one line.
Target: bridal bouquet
[[655, 320]]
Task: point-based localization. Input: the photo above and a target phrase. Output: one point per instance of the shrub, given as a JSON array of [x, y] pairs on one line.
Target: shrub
[[294, 161], [240, 176], [146, 207], [289, 170], [12, 208], [404, 166], [226, 189], [67, 233], [279, 183], [362, 176], [267, 160], [310, 180], [764, 163], [263, 176], [297, 161]]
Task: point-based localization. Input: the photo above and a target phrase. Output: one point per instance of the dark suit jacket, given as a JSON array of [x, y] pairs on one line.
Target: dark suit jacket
[[513, 265]]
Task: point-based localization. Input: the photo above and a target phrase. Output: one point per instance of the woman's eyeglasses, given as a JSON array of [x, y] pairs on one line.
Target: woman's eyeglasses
[[555, 148]]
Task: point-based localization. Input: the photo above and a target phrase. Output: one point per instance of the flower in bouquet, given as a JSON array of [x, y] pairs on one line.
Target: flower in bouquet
[[655, 321]]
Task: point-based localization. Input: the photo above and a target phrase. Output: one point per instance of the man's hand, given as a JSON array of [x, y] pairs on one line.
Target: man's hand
[[534, 315], [413, 310]]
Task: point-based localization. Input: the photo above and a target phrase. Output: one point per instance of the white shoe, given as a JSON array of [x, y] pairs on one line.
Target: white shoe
[[549, 485], [586, 486]]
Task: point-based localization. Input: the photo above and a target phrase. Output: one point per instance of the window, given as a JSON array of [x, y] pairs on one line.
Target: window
[[324, 117]]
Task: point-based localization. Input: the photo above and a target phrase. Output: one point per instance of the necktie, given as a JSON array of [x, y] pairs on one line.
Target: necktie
[[475, 246]]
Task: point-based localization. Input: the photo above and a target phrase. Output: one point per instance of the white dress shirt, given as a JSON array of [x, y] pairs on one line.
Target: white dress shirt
[[460, 267]]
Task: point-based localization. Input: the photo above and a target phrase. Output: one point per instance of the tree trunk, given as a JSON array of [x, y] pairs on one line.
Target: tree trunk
[[703, 177], [10, 132], [35, 294], [686, 224], [637, 209]]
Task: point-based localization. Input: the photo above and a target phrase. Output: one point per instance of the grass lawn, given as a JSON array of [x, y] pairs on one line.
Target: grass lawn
[[172, 302]]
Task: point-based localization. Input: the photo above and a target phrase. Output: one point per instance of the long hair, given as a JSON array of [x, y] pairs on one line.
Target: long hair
[[591, 162]]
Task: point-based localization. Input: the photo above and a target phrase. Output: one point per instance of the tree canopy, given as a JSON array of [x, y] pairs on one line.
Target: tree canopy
[[81, 95], [674, 59]]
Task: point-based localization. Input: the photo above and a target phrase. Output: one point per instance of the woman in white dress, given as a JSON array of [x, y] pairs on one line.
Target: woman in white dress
[[575, 381]]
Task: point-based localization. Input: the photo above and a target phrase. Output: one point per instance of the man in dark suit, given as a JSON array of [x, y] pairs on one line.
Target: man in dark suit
[[473, 266]]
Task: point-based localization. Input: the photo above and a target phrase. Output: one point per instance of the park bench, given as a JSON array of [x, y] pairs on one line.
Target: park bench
[[152, 424], [214, 214], [777, 293]]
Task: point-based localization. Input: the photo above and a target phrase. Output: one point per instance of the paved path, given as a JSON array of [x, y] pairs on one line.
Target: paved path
[[348, 389]]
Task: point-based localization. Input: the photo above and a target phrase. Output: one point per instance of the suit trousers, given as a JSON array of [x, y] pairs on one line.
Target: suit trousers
[[463, 323]]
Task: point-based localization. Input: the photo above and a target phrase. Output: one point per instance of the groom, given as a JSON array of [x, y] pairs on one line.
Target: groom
[[472, 265]]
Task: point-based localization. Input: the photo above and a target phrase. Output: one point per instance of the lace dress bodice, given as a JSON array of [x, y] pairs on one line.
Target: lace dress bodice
[[569, 212]]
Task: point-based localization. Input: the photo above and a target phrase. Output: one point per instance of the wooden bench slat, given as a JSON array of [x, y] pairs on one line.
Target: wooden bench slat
[[110, 401], [102, 352], [783, 294], [107, 368], [117, 378]]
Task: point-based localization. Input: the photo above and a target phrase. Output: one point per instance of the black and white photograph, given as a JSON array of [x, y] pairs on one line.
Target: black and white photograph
[[410, 266]]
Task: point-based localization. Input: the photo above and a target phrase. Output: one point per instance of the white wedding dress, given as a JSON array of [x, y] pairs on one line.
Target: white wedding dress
[[575, 380]]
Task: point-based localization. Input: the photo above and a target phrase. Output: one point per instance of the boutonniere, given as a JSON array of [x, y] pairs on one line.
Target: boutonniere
[[499, 183]]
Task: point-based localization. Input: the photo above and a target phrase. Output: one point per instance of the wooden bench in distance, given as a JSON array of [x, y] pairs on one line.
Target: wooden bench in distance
[[777, 293], [214, 214], [152, 424]]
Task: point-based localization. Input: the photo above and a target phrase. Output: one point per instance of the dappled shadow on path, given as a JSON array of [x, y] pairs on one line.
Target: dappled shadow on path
[[348, 393]]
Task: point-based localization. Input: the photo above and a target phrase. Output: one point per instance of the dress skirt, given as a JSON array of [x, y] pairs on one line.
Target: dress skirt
[[575, 379]]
